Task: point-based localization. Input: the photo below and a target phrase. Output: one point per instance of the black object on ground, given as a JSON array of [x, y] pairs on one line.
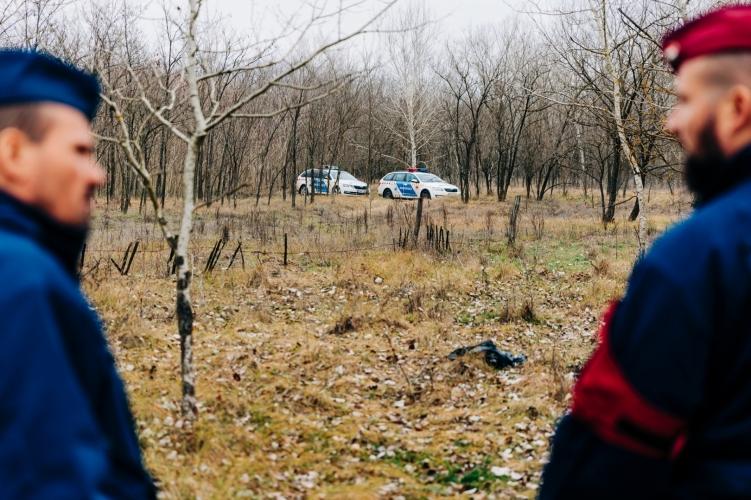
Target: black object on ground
[[495, 358]]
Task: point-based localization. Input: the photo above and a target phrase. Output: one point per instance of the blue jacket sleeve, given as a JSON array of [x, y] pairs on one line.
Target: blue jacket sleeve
[[50, 446], [661, 337], [583, 466], [659, 340]]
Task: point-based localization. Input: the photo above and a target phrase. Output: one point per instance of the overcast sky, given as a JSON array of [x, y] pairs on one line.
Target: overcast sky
[[455, 15], [266, 16]]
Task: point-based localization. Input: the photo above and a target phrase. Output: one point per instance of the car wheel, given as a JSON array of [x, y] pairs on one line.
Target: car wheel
[[425, 194], [303, 190], [387, 193]]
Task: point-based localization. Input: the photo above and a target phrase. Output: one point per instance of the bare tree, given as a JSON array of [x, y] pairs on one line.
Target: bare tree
[[616, 65], [37, 21], [410, 109], [613, 72], [469, 78], [205, 90], [10, 18], [513, 104]]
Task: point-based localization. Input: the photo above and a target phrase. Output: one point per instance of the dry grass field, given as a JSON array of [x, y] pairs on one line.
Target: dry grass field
[[329, 377]]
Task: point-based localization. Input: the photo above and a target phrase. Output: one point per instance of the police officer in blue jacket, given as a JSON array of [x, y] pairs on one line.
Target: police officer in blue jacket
[[66, 431], [663, 407]]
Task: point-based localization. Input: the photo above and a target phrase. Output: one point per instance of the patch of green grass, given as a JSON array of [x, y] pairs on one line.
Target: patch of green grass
[[488, 317], [404, 457], [496, 253], [464, 318], [483, 317], [479, 477], [438, 471], [567, 258]]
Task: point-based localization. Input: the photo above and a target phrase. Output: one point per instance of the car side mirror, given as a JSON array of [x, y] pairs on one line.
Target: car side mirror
[[415, 181]]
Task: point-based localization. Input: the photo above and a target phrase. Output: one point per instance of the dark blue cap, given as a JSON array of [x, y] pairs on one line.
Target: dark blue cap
[[28, 76]]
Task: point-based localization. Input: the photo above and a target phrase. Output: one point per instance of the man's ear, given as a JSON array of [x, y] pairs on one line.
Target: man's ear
[[13, 144], [741, 108]]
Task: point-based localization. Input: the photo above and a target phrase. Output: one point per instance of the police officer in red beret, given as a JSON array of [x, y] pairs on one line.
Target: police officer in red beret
[[66, 431], [663, 407]]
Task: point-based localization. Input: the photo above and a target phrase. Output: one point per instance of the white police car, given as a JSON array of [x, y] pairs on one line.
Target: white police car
[[415, 185], [330, 179]]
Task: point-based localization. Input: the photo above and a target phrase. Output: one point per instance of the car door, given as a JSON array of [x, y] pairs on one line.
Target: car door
[[398, 182], [319, 181], [391, 184], [326, 180], [414, 182], [405, 187], [310, 180]]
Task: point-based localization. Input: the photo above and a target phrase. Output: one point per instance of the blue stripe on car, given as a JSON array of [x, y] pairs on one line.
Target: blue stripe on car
[[320, 186], [406, 189]]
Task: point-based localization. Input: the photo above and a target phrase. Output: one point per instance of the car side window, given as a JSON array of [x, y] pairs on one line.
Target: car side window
[[411, 178], [399, 177], [389, 177]]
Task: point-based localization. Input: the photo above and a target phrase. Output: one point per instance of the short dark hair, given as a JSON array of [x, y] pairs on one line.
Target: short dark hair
[[28, 118], [728, 69]]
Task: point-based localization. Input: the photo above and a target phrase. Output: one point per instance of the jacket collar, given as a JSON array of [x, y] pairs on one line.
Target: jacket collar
[[729, 175], [63, 241]]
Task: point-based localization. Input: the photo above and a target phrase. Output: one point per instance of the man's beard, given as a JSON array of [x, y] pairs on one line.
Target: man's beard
[[704, 170], [708, 172]]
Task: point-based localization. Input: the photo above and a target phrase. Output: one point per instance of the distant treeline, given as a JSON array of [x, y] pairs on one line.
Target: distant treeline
[[548, 102]]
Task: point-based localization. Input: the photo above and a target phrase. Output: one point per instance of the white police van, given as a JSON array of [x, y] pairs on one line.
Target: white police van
[[415, 185], [329, 179]]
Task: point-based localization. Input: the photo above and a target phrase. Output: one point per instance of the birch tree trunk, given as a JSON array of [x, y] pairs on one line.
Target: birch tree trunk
[[613, 69], [412, 105], [184, 306]]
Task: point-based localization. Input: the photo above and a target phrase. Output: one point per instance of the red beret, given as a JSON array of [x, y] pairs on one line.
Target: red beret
[[723, 30]]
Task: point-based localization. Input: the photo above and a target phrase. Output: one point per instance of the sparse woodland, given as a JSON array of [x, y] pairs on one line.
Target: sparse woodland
[[284, 346], [572, 95]]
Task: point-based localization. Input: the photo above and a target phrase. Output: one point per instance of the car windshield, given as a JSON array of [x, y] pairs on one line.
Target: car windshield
[[344, 176], [428, 178]]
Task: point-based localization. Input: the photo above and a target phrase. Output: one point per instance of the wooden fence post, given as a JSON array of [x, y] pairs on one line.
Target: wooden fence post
[[418, 219], [234, 254], [285, 249], [130, 253], [513, 218]]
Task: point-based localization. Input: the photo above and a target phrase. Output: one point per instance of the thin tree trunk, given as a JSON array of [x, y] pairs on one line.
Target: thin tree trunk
[[614, 70], [582, 162], [184, 306]]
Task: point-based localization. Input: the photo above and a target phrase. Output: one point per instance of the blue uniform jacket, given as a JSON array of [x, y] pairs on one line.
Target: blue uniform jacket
[[66, 431], [663, 408]]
